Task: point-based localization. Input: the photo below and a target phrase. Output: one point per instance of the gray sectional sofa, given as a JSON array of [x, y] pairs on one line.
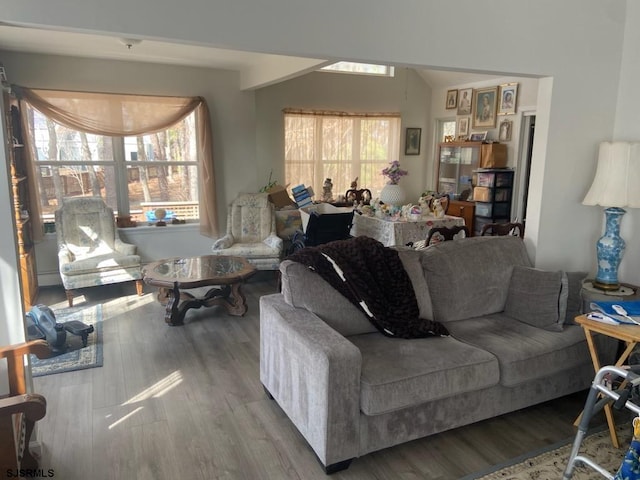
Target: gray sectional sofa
[[351, 390]]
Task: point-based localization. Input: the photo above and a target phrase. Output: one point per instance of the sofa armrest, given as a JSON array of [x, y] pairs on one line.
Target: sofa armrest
[[313, 373], [223, 242]]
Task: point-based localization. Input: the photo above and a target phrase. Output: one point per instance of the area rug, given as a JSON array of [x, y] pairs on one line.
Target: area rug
[[76, 357], [551, 462]]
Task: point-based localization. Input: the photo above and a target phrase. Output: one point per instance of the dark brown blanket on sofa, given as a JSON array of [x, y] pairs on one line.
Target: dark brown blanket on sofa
[[373, 278]]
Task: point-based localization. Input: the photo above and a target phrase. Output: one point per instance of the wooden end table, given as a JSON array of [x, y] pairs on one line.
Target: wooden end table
[[630, 334], [175, 275]]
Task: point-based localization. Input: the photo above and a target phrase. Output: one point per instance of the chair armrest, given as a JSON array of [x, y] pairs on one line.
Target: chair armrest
[[313, 372], [124, 248], [64, 256], [223, 242], [40, 348], [32, 405], [274, 241]]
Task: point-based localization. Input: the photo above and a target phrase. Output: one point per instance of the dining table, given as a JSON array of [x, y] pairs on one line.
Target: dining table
[[400, 232]]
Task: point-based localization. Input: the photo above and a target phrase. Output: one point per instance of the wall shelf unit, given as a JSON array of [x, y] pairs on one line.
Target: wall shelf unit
[[20, 200]]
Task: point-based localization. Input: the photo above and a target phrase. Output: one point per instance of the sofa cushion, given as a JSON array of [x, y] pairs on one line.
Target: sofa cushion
[[303, 288], [470, 277], [398, 373], [524, 352], [411, 260], [537, 297]]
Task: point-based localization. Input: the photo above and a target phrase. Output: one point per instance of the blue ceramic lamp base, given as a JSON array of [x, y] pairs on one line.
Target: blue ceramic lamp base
[[610, 248]]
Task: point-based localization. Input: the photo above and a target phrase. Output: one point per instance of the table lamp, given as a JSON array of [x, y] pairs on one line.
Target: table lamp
[[616, 185]]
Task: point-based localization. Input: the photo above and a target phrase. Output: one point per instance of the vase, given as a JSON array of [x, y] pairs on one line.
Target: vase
[[392, 194]]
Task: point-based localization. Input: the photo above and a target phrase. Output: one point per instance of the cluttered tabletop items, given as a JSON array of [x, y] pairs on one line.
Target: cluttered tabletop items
[[615, 313]]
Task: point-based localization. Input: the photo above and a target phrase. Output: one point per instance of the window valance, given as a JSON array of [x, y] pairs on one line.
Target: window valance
[[132, 115]]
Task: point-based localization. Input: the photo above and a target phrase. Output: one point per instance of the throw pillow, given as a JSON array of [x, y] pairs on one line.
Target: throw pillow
[[537, 297]]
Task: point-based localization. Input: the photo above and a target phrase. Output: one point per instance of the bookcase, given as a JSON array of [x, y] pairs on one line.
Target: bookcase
[[20, 200]]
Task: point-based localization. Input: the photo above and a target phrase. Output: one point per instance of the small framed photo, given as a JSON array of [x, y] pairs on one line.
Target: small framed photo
[[463, 126], [412, 141], [478, 136], [484, 107], [504, 132], [464, 101], [508, 98], [452, 99]]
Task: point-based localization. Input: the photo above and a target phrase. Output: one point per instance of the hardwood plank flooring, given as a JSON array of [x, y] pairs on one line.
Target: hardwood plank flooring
[[186, 402]]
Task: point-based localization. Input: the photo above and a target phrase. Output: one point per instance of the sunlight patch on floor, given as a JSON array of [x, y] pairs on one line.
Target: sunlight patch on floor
[[158, 389]]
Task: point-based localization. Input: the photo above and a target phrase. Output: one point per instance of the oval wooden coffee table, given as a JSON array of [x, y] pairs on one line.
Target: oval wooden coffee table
[[175, 275]]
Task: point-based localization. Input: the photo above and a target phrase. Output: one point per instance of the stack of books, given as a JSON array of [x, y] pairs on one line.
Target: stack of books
[[302, 195]]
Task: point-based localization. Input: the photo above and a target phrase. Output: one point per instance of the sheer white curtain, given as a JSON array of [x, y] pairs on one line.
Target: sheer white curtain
[[339, 145]]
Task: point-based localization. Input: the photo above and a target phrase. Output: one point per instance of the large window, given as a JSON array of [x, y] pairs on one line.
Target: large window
[[339, 146], [134, 175]]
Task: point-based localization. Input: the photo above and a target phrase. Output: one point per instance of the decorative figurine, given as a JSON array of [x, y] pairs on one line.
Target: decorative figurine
[[327, 187]]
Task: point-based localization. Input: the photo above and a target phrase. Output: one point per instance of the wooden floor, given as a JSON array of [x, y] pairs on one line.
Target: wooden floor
[[186, 402]]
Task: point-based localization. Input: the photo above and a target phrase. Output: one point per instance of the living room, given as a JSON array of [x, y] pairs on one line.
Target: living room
[[598, 38]]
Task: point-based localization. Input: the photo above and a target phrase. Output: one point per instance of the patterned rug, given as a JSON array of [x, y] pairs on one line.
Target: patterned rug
[[76, 357], [551, 463]]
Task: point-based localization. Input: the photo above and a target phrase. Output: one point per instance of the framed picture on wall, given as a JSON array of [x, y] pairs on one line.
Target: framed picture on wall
[[464, 101], [484, 107], [452, 99], [412, 141], [463, 126], [504, 132], [508, 97], [478, 136]]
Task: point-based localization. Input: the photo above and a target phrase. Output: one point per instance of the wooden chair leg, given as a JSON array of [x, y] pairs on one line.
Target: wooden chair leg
[[139, 287], [69, 294]]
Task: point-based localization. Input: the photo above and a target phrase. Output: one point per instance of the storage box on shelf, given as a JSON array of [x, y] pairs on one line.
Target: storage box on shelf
[[492, 196]]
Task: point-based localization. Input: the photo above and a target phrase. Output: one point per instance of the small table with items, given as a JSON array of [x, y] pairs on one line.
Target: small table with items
[[400, 233], [629, 334], [174, 275]]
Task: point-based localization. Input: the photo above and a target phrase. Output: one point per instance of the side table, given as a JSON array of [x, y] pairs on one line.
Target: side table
[[629, 334], [590, 294]]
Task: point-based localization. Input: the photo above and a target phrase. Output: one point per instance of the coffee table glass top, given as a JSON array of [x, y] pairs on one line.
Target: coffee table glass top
[[216, 268]]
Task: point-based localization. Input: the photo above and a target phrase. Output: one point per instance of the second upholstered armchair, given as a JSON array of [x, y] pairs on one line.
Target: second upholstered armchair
[[251, 232]]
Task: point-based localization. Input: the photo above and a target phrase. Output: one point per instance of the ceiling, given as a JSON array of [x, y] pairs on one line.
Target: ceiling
[[256, 69]]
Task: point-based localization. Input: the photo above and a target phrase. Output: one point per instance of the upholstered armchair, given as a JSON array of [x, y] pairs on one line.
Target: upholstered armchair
[[19, 410], [251, 232], [90, 252]]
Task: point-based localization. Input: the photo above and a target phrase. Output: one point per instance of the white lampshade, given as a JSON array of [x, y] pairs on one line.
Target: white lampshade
[[617, 180]]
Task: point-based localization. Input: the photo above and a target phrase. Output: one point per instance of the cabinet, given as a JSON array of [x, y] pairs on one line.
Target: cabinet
[[456, 163], [458, 160], [465, 210], [20, 200], [492, 195]]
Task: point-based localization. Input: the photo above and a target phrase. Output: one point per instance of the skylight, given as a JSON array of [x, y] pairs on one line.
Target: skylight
[[360, 68]]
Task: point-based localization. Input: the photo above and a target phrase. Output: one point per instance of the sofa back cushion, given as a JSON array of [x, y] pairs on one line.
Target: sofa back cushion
[[470, 277], [411, 260], [303, 288]]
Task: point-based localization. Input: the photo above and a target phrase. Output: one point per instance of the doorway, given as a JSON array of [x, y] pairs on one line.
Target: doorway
[[524, 167]]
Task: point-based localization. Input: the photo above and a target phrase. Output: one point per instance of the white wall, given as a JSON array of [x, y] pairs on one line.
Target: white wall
[[627, 128], [405, 93]]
